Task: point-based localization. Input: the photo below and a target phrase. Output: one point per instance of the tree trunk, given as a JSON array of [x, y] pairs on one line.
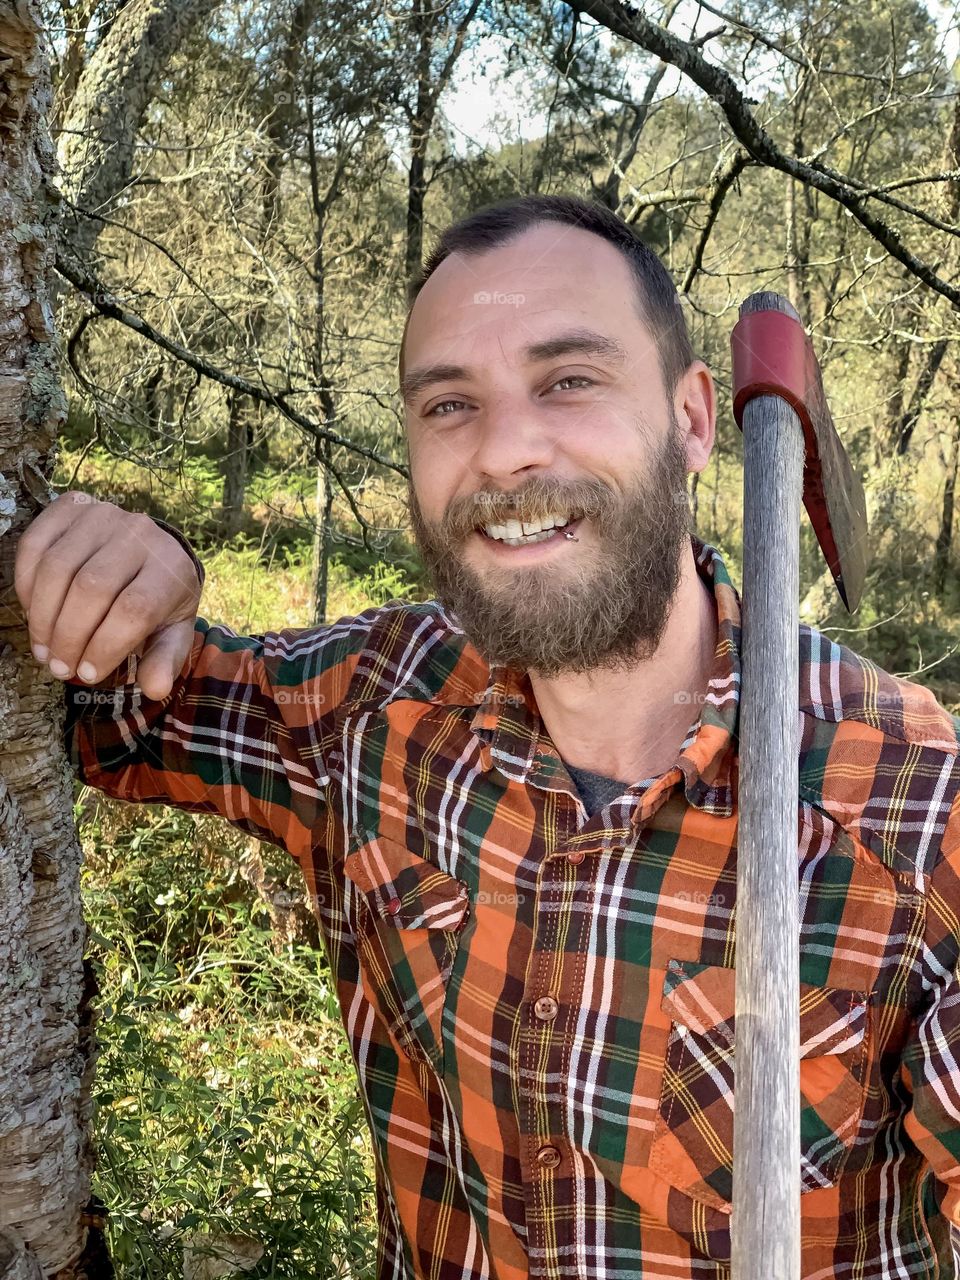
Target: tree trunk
[[429, 24], [632, 123], [323, 530], [106, 111], [323, 526], [235, 466], [73, 60], [243, 415], [46, 1037], [902, 425], [941, 557], [421, 125], [793, 272], [902, 428], [151, 400]]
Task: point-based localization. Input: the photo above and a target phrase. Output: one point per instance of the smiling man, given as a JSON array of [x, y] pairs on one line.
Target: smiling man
[[578, 406], [515, 805]]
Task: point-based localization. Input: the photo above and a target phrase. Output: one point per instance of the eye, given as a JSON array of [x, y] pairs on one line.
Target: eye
[[573, 377], [443, 404]]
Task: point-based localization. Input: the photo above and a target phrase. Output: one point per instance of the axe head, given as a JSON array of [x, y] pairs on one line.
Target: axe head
[[772, 356]]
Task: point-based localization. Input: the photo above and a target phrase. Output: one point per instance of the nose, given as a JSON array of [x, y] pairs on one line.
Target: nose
[[511, 441]]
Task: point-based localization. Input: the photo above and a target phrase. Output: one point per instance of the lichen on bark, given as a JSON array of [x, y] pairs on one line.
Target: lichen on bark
[[46, 1042]]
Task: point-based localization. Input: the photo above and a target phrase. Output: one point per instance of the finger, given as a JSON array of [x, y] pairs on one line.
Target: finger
[[136, 613], [87, 599], [64, 564], [49, 527], [163, 659]]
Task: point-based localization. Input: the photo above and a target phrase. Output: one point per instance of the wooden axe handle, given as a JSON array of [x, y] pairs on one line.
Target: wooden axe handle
[[765, 1208]]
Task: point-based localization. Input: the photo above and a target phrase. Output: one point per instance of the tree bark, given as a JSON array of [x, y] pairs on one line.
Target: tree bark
[[152, 409], [322, 539], [421, 125], [97, 145], [46, 1037], [76, 20], [428, 23], [941, 557], [235, 465]]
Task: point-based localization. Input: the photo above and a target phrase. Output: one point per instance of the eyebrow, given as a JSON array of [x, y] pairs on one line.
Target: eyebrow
[[579, 341]]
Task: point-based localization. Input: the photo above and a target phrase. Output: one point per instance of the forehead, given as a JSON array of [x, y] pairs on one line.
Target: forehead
[[498, 301]]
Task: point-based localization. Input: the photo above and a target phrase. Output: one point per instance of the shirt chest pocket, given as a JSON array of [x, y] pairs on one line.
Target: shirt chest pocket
[[408, 915], [693, 1133]]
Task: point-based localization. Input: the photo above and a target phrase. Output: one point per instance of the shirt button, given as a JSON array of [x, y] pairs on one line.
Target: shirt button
[[393, 906], [576, 857], [548, 1157], [546, 1008]]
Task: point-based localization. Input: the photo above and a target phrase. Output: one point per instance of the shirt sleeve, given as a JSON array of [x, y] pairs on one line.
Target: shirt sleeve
[[243, 733], [931, 1061]]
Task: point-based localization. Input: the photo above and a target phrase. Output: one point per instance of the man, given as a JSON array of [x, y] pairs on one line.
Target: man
[[515, 805]]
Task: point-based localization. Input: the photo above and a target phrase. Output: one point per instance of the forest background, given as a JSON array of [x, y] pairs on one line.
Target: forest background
[[247, 188]]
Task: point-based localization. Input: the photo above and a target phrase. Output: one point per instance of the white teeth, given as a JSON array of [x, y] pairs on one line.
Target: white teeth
[[525, 542], [515, 534]]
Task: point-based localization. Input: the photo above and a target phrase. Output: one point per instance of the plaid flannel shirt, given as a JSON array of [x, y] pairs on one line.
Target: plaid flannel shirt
[[541, 1003]]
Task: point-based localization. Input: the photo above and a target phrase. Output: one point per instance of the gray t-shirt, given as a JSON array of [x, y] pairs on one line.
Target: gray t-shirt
[[596, 789]]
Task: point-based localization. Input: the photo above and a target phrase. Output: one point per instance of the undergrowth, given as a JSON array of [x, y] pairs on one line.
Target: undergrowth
[[226, 1098]]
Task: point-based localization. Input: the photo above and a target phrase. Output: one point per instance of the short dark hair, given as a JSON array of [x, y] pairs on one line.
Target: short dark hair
[[495, 224]]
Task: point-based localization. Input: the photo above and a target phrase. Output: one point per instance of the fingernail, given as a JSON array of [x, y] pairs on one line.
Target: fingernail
[[59, 669], [86, 671], [41, 652]]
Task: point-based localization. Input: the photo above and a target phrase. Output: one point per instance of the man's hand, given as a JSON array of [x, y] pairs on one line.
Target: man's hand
[[98, 583]]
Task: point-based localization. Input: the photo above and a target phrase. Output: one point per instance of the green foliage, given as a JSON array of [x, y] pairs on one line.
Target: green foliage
[[226, 1097]]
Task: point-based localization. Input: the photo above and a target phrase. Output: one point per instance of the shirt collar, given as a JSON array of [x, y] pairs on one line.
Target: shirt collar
[[508, 722]]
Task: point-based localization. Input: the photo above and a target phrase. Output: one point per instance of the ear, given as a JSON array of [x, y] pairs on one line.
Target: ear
[[695, 404]]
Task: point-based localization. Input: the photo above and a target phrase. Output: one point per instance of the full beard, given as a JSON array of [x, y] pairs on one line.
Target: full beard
[[607, 609]]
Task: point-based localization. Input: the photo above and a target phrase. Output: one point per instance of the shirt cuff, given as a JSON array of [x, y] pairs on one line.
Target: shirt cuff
[[175, 533]]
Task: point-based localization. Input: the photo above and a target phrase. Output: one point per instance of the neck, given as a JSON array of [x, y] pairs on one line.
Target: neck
[[629, 724]]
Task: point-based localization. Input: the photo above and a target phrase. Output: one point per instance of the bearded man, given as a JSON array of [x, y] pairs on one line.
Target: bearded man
[[515, 805]]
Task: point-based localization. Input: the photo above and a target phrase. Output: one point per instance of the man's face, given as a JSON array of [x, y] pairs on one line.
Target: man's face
[[533, 397]]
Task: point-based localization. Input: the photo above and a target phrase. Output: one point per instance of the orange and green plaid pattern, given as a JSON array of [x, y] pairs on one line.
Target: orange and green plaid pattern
[[540, 1003]]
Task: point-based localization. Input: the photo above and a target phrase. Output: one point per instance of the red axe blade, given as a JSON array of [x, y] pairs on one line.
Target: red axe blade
[[773, 356]]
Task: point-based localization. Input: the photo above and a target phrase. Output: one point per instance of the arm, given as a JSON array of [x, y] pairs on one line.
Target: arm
[[215, 722]]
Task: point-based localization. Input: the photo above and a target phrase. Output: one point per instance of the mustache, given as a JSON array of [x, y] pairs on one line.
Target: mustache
[[531, 502]]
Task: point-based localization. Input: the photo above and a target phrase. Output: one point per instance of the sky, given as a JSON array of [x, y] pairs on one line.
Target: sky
[[486, 108]]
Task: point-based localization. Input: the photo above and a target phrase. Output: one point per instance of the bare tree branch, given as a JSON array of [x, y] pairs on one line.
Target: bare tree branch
[[107, 305], [725, 180], [628, 23]]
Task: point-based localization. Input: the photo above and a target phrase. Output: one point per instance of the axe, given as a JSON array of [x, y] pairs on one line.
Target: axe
[[790, 450]]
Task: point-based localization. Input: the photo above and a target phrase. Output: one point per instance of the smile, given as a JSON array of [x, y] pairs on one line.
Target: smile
[[512, 535], [516, 533]]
